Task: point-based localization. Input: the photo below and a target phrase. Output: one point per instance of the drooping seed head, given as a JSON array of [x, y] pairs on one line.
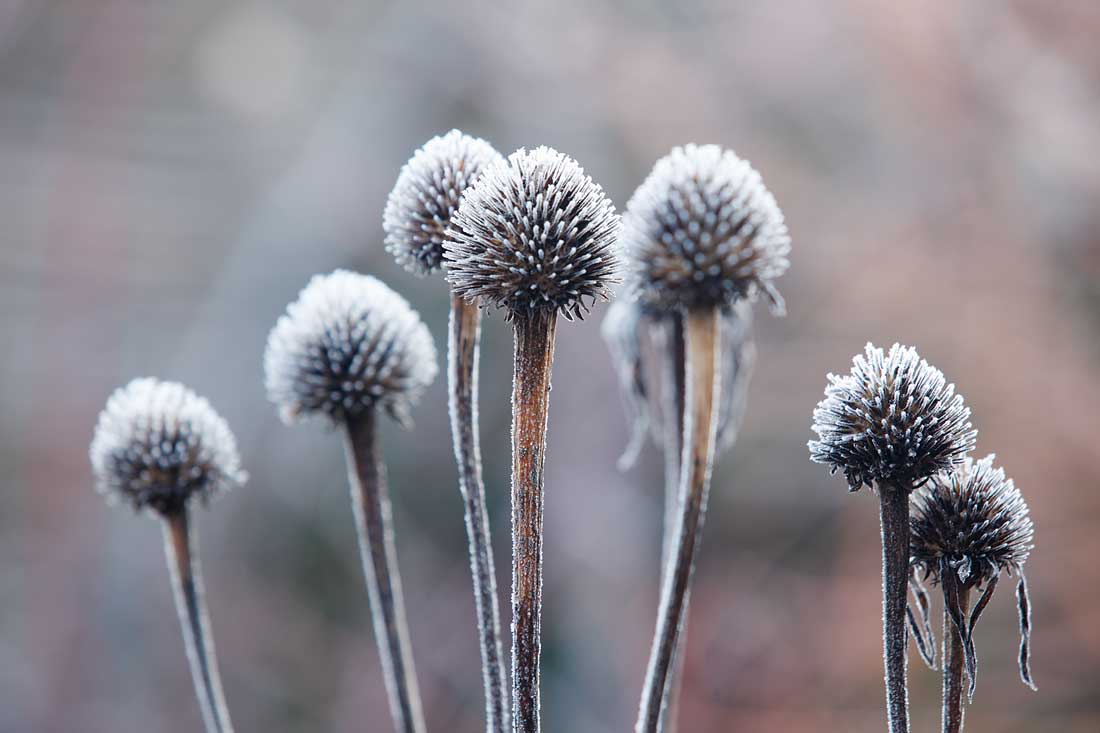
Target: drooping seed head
[[892, 420], [158, 444], [426, 196], [703, 231], [348, 344], [534, 232]]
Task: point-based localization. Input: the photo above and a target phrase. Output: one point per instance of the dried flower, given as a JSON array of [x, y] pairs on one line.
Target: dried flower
[[157, 444], [893, 419], [349, 343], [533, 233], [426, 196]]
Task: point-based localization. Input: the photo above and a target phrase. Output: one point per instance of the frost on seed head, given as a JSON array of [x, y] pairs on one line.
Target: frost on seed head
[[534, 232], [157, 444], [892, 420], [702, 231], [426, 196], [348, 344]]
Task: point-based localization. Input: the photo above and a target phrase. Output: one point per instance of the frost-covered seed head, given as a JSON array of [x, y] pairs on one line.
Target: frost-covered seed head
[[426, 196], [348, 344], [893, 419], [973, 517], [534, 232], [157, 444], [703, 231]]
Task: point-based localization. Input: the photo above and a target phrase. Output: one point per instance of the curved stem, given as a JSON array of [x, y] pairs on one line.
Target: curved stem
[[462, 374], [954, 662], [181, 549], [700, 426], [534, 334], [894, 513], [373, 521]]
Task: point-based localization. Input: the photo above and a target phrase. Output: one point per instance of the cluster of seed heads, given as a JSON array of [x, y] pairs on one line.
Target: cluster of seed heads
[[348, 344], [892, 420], [426, 196], [702, 230], [534, 232], [157, 444]]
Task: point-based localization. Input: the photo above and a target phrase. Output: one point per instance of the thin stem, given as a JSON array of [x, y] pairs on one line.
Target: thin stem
[[954, 662], [462, 374], [181, 549], [894, 513], [534, 334], [700, 426], [373, 521]]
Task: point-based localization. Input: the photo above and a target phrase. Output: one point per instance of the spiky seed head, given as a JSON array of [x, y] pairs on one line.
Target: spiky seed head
[[534, 232], [703, 231], [158, 444], [426, 196], [892, 420], [975, 519], [348, 344]]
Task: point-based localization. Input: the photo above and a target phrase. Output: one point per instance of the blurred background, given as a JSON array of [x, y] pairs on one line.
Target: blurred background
[[171, 174]]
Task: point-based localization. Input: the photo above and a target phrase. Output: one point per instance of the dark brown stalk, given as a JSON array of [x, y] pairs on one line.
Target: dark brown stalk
[[462, 378], [954, 662], [373, 521], [534, 333], [894, 514], [181, 548], [700, 426]]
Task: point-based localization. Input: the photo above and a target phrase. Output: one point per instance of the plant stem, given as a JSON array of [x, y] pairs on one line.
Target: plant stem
[[894, 513], [700, 426], [181, 548], [954, 662], [534, 356], [373, 521], [462, 378]]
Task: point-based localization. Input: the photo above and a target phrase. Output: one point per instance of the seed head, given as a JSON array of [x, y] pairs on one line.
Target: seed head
[[893, 419], [157, 444], [534, 232], [426, 196], [349, 343], [703, 231]]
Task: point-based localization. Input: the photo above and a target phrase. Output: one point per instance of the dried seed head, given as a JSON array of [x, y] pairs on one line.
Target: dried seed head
[[534, 232], [348, 344], [426, 196], [703, 231], [893, 419], [157, 444]]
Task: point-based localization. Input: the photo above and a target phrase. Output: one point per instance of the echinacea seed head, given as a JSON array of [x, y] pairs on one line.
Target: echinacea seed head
[[426, 196], [158, 444], [973, 518], [892, 420], [533, 233], [703, 231], [347, 344]]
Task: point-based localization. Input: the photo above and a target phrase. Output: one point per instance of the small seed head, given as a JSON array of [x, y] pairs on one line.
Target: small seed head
[[534, 232], [893, 419], [426, 196], [157, 444], [703, 231], [348, 344]]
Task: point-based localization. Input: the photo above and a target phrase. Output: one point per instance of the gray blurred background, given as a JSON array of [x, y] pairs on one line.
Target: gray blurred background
[[171, 174]]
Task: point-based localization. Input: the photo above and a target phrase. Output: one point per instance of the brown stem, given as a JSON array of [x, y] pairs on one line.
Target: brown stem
[[373, 521], [954, 662], [462, 374], [534, 334], [181, 548], [894, 515], [700, 425]]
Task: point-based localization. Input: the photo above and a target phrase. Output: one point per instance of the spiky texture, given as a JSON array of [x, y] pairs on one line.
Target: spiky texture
[[893, 419], [158, 444], [348, 344], [534, 232], [703, 231], [426, 196]]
